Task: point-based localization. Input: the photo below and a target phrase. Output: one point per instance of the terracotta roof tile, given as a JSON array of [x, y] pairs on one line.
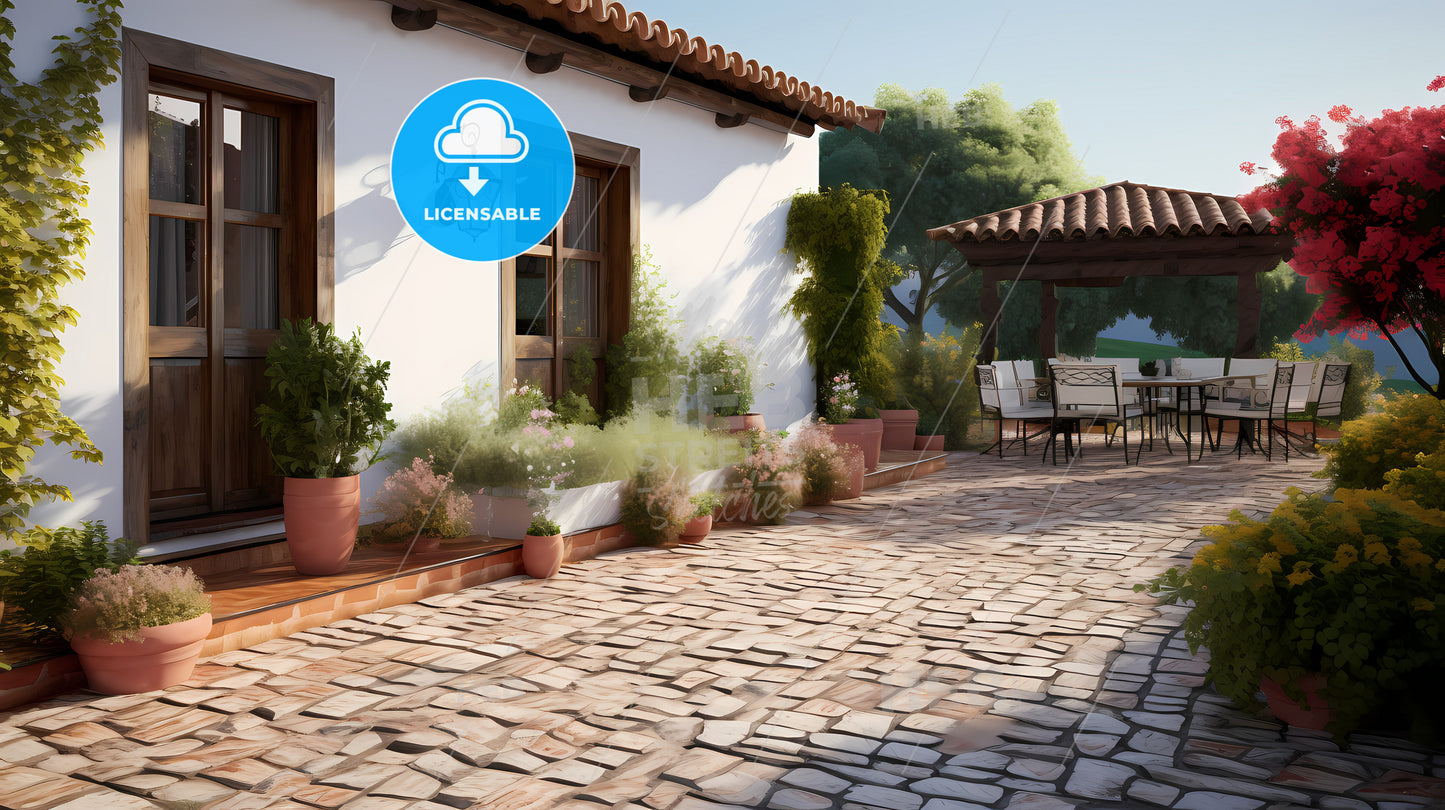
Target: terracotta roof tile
[[1114, 211], [609, 24]]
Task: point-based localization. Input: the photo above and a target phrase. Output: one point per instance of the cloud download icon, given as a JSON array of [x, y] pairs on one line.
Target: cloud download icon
[[482, 169]]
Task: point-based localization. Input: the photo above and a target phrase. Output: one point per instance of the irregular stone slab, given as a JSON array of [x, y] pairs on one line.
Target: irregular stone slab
[[884, 797], [1098, 779], [792, 799], [957, 789]]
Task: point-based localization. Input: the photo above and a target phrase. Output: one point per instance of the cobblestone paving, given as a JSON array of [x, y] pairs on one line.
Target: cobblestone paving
[[967, 641]]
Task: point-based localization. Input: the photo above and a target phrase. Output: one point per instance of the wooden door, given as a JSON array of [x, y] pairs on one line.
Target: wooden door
[[224, 269], [558, 292]]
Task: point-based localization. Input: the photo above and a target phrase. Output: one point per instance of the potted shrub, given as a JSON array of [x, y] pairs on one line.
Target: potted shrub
[[821, 463], [1149, 368], [704, 504], [39, 580], [543, 548], [899, 425], [720, 377], [139, 628], [929, 435], [324, 419], [420, 508], [655, 505], [1335, 600]]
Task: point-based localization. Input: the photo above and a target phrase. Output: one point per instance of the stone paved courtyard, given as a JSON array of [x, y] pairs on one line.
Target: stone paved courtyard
[[970, 640]]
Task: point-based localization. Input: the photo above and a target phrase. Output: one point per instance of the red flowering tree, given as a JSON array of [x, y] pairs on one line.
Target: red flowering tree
[[1369, 217]]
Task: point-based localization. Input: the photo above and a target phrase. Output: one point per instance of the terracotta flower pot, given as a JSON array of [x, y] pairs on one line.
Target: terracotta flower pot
[[738, 423], [321, 517], [852, 486], [696, 529], [164, 657], [542, 556], [898, 428], [872, 441], [1285, 708], [930, 443]]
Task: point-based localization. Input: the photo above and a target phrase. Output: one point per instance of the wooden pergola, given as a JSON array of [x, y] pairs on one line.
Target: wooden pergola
[[1099, 237]]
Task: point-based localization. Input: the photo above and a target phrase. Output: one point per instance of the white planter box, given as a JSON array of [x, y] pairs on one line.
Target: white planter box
[[503, 516], [590, 507]]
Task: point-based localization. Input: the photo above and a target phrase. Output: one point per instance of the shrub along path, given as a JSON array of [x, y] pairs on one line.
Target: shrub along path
[[970, 640]]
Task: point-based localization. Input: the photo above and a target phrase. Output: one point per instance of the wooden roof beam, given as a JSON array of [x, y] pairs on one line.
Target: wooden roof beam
[[541, 63], [413, 19], [518, 35]]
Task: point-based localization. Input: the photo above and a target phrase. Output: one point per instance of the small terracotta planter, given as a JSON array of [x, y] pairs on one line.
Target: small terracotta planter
[[738, 423], [872, 441], [898, 428], [542, 556], [1316, 717], [696, 529], [164, 657], [930, 443], [321, 517]]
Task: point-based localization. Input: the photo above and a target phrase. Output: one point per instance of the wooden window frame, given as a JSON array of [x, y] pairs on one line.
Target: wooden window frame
[[147, 58], [622, 236]]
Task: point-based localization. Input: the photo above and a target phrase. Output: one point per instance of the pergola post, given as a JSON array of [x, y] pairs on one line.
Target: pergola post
[[1248, 303], [989, 308], [1048, 320]]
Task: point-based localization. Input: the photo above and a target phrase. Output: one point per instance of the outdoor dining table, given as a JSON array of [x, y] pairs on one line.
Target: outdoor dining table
[[1151, 386]]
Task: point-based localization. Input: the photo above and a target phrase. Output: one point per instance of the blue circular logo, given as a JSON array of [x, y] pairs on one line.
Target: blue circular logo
[[482, 169]]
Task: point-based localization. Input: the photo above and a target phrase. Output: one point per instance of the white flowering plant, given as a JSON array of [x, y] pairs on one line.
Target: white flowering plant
[[841, 398], [547, 454]]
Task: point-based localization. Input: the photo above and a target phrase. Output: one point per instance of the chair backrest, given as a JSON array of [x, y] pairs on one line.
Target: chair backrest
[[1304, 388], [1199, 367], [1333, 379], [1087, 388], [1024, 370], [1261, 369], [1279, 390], [988, 397]]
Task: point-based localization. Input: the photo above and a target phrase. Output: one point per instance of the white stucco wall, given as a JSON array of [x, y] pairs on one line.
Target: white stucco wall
[[713, 203]]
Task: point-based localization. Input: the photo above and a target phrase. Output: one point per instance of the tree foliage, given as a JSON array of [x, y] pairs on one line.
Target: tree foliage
[[836, 236], [1369, 217], [941, 163], [1198, 311], [645, 365], [46, 129]]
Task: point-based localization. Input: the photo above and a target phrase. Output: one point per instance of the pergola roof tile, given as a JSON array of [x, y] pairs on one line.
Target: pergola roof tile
[[1115, 211]]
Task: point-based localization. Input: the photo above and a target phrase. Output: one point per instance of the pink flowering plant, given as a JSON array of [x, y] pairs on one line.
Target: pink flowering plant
[[655, 503], [117, 605], [841, 398], [768, 483], [416, 501], [546, 453], [820, 461]]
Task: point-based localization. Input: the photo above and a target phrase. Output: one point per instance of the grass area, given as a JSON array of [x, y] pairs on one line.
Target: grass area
[[1400, 387], [1111, 347]]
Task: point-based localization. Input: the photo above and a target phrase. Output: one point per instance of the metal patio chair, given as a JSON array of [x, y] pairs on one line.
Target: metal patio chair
[[1087, 394], [1005, 401], [1253, 406]]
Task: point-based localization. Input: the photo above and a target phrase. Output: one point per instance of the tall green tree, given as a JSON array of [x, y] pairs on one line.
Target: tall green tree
[[942, 162]]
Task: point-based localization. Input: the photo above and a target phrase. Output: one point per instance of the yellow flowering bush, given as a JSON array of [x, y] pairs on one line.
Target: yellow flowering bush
[[1351, 586], [1371, 446]]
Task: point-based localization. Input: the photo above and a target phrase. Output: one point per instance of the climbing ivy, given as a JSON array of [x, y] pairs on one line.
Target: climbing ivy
[[46, 129], [836, 236]]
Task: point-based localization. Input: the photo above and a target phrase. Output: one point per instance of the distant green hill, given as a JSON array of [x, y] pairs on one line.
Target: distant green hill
[[1112, 347]]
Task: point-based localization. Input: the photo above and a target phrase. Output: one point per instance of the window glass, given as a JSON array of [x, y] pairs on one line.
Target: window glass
[[251, 286], [532, 297], [253, 161], [177, 151], [579, 298], [175, 272], [579, 223]]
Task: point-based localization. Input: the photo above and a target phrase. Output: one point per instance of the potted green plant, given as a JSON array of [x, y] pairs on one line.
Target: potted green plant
[[704, 504], [38, 580], [420, 508], [324, 419], [543, 548], [720, 377], [1334, 600], [929, 433], [1149, 368], [138, 628]]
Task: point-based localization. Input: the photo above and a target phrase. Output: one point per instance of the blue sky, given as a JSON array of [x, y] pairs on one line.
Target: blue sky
[[1166, 93]]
